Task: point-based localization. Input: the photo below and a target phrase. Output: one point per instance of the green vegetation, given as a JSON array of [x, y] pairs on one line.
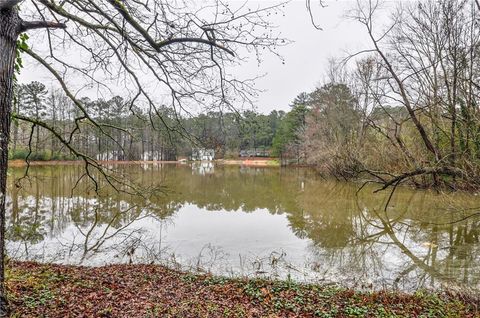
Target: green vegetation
[[291, 126], [45, 155], [37, 290], [133, 135], [404, 110]]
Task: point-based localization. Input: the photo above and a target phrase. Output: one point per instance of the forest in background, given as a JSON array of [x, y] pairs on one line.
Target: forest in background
[[134, 134], [406, 110]]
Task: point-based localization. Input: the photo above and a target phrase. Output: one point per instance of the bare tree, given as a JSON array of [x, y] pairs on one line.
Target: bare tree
[[427, 56], [174, 49]]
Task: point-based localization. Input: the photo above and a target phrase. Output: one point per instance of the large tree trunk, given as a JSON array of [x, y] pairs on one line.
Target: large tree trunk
[[9, 28]]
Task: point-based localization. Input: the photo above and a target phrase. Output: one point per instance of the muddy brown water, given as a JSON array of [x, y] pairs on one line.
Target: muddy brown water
[[234, 221]]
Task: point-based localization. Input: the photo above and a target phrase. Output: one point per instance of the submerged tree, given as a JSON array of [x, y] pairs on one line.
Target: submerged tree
[[172, 51]]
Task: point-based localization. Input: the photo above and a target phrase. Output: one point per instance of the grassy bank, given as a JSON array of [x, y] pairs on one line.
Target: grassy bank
[[38, 290]]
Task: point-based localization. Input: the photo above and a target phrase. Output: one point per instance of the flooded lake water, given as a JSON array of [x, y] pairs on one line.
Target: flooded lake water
[[231, 220]]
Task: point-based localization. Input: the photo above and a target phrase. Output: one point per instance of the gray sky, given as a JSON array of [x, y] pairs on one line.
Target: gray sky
[[305, 59]]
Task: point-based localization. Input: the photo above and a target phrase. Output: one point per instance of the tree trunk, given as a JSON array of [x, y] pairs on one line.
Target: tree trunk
[[9, 28]]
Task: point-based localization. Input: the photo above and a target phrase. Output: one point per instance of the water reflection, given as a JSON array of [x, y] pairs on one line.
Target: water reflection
[[249, 221], [203, 167]]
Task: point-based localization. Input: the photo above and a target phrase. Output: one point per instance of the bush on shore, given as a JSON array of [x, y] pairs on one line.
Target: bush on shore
[[43, 155]]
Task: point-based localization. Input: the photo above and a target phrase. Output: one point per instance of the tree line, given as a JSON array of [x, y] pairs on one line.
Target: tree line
[[182, 49], [129, 132], [404, 109]]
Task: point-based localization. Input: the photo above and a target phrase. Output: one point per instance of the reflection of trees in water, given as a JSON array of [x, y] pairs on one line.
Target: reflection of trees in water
[[417, 238], [45, 207], [414, 243], [445, 256]]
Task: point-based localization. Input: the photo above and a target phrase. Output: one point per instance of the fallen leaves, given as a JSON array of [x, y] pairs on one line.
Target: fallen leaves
[[40, 290]]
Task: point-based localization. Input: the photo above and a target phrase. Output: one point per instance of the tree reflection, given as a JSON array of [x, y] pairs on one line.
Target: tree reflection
[[422, 239]]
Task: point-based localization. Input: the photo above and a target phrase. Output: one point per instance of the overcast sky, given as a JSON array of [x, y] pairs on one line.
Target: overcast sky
[[305, 59]]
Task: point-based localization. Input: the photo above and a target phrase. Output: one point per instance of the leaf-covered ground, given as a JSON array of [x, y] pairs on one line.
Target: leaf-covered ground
[[38, 290]]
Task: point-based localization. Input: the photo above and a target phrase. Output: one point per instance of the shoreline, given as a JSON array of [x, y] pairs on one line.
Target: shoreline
[[246, 162], [255, 162], [38, 290]]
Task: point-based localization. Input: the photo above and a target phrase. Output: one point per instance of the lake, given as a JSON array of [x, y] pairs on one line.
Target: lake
[[231, 220]]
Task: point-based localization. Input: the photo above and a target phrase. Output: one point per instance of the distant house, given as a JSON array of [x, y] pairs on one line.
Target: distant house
[[254, 153], [202, 154]]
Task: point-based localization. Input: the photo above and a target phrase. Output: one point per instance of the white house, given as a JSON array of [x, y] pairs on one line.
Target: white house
[[202, 154]]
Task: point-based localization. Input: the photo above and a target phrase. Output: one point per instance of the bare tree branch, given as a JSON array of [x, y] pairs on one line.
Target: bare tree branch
[[193, 40], [30, 25]]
